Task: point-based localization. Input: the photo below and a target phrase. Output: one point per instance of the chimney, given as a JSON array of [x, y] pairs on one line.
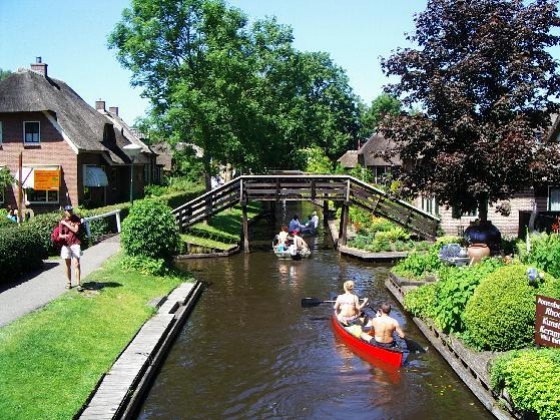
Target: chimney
[[39, 66], [114, 110], [100, 105]]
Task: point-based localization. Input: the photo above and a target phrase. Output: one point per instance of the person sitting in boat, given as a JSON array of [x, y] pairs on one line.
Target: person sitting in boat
[[282, 239], [295, 224], [299, 246], [384, 327], [313, 223], [347, 306]]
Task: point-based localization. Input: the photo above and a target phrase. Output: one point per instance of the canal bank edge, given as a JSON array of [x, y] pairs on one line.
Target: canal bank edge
[[470, 366], [120, 391]]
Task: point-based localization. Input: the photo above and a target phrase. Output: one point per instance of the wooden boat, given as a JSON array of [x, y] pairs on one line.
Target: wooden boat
[[367, 351], [286, 253]]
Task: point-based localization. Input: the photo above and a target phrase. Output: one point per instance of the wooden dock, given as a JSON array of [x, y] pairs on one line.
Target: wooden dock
[[119, 392]]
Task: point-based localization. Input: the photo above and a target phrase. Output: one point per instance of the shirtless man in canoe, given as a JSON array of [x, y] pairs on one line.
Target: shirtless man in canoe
[[383, 328]]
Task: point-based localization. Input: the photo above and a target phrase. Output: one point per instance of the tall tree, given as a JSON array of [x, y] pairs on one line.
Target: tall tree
[[486, 83], [4, 74], [380, 107], [241, 93]]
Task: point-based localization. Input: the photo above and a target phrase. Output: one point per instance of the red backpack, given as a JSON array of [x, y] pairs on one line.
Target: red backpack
[[56, 240]]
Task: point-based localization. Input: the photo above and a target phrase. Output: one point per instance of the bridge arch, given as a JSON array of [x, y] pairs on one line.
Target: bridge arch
[[303, 187]]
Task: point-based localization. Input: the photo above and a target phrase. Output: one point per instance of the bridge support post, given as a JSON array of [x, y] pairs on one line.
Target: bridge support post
[[245, 228], [325, 214], [342, 235]]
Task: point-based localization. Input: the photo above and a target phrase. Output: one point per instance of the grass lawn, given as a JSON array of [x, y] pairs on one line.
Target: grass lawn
[[51, 359]]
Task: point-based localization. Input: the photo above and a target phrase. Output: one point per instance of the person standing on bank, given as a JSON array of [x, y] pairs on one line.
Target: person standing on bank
[[69, 228]]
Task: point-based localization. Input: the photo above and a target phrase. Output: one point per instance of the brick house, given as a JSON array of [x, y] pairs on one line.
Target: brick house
[[69, 153], [528, 209]]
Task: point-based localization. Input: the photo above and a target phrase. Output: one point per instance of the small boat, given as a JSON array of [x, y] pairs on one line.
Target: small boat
[[289, 253], [392, 356]]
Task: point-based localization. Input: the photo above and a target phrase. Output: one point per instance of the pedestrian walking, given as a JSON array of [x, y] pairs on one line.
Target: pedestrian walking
[[71, 250]]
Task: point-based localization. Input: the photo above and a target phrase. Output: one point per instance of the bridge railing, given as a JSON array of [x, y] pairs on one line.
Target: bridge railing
[[337, 188]]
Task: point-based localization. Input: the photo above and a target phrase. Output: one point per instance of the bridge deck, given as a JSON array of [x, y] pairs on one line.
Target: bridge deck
[[336, 188]]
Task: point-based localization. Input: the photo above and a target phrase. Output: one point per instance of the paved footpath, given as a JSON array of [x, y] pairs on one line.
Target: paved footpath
[[35, 292]]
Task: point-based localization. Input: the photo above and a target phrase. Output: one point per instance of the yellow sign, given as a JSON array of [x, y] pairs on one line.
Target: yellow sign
[[46, 180]]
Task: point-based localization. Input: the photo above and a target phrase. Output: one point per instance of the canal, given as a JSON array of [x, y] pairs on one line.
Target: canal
[[250, 351]]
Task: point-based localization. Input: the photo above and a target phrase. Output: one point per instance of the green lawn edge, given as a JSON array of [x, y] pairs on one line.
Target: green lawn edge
[[52, 358]]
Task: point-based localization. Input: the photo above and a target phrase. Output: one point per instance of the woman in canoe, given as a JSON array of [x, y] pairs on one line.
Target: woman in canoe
[[347, 306]]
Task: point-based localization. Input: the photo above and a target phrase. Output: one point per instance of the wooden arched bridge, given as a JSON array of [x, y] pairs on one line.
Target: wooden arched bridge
[[303, 187]]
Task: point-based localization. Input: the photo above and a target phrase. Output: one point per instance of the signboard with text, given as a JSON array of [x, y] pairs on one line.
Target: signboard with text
[[46, 180], [547, 324]]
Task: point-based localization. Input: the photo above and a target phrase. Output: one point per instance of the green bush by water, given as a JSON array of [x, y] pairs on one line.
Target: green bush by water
[[150, 230], [532, 380], [500, 316]]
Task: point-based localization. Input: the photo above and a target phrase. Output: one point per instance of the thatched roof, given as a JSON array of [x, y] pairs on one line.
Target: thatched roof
[[164, 156], [131, 134], [368, 153], [349, 159], [83, 126]]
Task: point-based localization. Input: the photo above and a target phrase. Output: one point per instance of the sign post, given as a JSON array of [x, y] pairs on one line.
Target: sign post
[[547, 324]]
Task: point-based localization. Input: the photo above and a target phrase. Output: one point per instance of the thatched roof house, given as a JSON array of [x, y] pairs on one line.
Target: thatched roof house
[[55, 130]]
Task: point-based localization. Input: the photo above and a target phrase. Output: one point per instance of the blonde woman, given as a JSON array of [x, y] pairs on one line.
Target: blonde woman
[[347, 306]]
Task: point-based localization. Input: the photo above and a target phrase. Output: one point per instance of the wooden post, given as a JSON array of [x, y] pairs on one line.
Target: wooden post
[[245, 228], [342, 235], [325, 213], [20, 189]]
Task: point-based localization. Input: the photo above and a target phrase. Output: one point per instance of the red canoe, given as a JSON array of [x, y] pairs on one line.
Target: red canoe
[[365, 350]]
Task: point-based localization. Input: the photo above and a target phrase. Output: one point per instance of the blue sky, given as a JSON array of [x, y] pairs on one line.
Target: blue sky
[[71, 37]]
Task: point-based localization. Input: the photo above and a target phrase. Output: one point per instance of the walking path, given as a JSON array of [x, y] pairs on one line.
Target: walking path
[[36, 290]]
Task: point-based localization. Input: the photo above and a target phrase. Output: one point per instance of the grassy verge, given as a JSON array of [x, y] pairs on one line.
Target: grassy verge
[[224, 229], [51, 359]]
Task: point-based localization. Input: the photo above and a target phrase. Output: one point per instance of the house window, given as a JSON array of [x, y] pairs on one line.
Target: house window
[[379, 174], [430, 205], [41, 184], [554, 199], [31, 132]]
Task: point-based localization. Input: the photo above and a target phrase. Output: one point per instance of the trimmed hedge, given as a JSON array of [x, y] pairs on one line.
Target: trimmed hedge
[[150, 230], [532, 380], [21, 251], [500, 316]]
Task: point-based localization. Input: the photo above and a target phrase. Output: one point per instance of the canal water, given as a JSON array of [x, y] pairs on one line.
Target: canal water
[[249, 350]]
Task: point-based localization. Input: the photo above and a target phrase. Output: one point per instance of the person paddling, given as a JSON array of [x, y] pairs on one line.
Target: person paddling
[[384, 327], [347, 306]]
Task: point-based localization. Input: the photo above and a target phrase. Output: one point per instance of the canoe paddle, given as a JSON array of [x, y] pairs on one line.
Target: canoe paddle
[[310, 302]]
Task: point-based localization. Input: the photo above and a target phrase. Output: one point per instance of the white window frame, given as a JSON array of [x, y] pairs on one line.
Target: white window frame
[[32, 142], [430, 205], [553, 198]]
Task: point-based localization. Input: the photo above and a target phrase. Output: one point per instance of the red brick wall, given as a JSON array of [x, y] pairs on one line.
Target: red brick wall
[[508, 226], [52, 150]]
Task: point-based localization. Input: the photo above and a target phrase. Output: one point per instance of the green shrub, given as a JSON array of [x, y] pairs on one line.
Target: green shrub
[[500, 315], [456, 287], [21, 251], [421, 264], [150, 230], [532, 380], [421, 301], [544, 252]]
